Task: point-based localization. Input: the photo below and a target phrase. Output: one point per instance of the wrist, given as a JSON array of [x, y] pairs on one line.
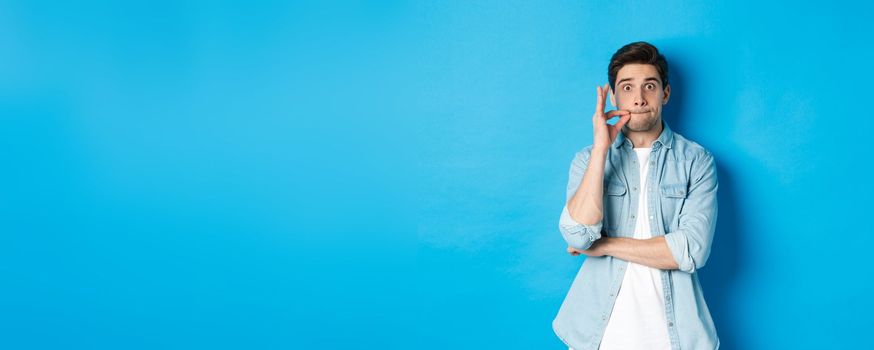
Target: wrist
[[600, 151], [607, 245]]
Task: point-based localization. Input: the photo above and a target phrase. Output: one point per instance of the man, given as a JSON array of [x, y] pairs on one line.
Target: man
[[641, 205]]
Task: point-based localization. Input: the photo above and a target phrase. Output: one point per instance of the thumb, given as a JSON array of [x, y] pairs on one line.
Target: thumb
[[622, 121], [616, 128]]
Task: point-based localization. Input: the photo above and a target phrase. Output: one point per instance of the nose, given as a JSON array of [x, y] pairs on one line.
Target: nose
[[639, 101]]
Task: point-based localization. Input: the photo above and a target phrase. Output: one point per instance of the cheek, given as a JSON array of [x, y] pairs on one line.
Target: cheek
[[622, 102]]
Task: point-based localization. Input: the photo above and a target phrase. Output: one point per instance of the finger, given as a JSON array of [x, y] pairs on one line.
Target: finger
[[609, 115], [616, 128], [599, 107], [616, 112], [606, 94], [622, 121]]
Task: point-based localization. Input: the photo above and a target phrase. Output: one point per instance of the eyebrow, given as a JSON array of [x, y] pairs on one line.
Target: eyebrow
[[645, 80]]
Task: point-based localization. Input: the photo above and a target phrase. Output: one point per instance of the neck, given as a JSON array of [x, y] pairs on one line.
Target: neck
[[644, 139]]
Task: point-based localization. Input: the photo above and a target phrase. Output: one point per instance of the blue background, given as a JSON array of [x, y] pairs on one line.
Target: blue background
[[330, 175]]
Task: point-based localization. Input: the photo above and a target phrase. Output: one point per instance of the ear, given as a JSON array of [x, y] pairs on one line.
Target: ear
[[667, 94], [612, 97]]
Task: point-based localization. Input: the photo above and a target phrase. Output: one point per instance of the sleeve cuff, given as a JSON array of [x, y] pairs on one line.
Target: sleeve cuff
[[577, 235], [679, 247]]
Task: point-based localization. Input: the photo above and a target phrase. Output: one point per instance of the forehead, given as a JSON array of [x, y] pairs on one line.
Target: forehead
[[637, 72]]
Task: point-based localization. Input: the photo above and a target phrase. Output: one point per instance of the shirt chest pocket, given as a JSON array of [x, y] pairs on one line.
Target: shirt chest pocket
[[614, 203], [673, 195]]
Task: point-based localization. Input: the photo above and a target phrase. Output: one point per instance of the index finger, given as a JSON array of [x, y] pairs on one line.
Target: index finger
[[599, 107]]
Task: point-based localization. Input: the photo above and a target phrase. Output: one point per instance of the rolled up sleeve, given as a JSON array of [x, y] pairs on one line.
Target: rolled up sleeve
[[690, 242], [577, 235]]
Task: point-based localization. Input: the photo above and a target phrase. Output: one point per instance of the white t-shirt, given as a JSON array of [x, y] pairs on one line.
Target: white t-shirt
[[638, 318]]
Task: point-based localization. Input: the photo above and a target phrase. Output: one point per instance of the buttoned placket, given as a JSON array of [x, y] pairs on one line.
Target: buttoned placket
[[628, 149]]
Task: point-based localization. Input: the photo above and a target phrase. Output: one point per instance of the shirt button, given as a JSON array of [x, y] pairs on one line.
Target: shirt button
[[670, 324]]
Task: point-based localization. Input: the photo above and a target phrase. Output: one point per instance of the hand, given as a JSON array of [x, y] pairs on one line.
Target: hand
[[596, 249], [604, 133]]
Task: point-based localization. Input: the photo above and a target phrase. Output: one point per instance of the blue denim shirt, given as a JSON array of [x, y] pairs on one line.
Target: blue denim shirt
[[682, 206]]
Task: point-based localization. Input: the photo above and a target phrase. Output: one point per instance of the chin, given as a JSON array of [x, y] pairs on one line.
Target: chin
[[642, 125]]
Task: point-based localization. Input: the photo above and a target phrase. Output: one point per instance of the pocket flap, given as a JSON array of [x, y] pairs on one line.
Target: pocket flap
[[674, 190], [615, 189]]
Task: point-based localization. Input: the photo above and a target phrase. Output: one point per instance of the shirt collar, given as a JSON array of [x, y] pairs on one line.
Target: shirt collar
[[665, 139]]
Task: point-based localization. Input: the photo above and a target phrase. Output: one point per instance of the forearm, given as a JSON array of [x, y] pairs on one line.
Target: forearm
[[587, 204], [652, 252]]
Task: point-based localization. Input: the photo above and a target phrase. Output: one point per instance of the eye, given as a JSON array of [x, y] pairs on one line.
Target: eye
[[626, 87], [650, 86]]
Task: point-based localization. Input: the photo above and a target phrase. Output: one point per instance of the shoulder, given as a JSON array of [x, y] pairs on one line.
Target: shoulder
[[582, 156], [685, 149], [698, 159]]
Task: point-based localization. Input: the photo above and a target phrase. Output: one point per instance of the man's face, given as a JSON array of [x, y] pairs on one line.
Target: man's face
[[639, 90]]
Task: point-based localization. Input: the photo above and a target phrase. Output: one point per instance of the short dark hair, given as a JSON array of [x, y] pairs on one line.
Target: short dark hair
[[637, 52]]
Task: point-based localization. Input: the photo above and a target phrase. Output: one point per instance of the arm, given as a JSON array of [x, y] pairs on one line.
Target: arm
[[690, 242], [652, 252], [686, 248], [586, 206], [582, 216]]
